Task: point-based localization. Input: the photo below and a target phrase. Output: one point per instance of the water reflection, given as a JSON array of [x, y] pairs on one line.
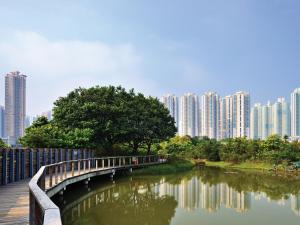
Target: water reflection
[[156, 200], [295, 202], [193, 194]]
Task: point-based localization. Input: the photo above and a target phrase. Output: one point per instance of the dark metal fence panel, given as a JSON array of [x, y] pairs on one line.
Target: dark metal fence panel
[[19, 164]]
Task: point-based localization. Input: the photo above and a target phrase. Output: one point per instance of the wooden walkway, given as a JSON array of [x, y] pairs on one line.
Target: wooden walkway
[[14, 203]]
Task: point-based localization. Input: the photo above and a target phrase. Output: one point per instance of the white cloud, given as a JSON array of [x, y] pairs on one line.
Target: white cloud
[[56, 67]]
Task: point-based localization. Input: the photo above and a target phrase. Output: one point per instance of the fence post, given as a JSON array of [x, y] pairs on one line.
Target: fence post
[[50, 156], [17, 177], [44, 157], [56, 155], [11, 166], [60, 155], [67, 159], [4, 167], [38, 162], [22, 164], [30, 163]]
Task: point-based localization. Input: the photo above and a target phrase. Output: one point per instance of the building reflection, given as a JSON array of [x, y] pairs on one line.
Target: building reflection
[[193, 194], [189, 194], [295, 204]]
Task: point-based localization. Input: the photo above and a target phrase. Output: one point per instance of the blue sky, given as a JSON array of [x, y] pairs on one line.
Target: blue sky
[[156, 46]]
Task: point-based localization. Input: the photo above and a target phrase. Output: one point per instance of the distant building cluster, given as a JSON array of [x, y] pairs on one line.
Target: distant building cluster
[[211, 115], [13, 119], [231, 116]]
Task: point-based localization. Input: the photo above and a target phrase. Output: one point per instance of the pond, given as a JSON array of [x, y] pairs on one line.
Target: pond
[[208, 196]]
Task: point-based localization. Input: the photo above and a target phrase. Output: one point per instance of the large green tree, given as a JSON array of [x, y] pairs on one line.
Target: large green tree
[[115, 116]]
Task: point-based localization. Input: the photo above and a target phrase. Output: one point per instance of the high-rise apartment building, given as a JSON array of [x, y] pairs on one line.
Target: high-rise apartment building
[[226, 117], [241, 114], [15, 106], [171, 103], [295, 113], [210, 104], [281, 118], [256, 122], [189, 115], [2, 126], [267, 121]]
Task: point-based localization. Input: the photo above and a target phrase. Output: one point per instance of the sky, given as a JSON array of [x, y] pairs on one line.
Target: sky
[[155, 47]]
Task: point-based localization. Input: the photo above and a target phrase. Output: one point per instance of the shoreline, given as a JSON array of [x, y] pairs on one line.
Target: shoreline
[[265, 168]]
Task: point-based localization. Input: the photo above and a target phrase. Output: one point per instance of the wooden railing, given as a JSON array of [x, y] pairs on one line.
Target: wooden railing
[[55, 177]]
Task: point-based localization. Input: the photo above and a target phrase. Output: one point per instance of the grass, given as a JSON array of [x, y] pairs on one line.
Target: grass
[[244, 165], [173, 166]]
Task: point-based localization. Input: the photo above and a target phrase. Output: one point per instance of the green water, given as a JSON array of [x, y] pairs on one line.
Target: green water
[[203, 197]]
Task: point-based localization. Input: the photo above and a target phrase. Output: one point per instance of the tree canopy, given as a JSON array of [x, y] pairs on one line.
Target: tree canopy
[[2, 144], [101, 117]]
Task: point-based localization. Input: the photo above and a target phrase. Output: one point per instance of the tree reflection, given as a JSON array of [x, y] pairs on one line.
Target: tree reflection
[[132, 203], [275, 187]]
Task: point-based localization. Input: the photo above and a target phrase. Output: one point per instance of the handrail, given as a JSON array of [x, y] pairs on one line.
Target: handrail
[[43, 211]]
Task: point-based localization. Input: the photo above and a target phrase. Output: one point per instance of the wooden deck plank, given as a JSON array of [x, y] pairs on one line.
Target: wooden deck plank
[[14, 203]]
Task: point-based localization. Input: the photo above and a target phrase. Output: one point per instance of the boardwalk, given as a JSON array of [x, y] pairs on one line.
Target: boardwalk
[[14, 203]]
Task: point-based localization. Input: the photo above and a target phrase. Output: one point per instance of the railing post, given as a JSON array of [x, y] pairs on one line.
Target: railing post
[[56, 173], [50, 176], [78, 167], [102, 163], [96, 164], [72, 165], [65, 170], [114, 159], [61, 172], [89, 162], [11, 166], [120, 160], [108, 162], [84, 163], [4, 166]]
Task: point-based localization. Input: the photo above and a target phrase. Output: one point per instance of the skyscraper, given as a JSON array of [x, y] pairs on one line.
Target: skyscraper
[[241, 114], [256, 122], [281, 118], [2, 116], [171, 103], [267, 121], [295, 112], [226, 116], [189, 115], [15, 106], [210, 104]]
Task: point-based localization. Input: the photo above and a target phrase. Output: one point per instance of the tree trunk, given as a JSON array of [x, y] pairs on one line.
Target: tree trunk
[[148, 148]]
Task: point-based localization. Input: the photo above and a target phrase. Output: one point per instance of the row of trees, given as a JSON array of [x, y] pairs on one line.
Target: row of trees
[[274, 149], [104, 118]]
